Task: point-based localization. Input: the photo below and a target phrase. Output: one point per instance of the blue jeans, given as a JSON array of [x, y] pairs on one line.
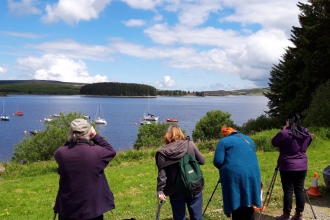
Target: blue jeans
[[194, 204]]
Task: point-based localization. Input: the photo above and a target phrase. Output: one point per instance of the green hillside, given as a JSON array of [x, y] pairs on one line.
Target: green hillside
[[39, 87], [47, 87]]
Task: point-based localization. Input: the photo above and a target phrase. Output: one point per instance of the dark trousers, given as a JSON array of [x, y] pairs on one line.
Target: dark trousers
[[243, 213], [293, 182], [96, 218]]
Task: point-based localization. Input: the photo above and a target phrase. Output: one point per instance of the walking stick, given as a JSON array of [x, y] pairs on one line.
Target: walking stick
[[211, 196], [269, 192], [54, 217], [160, 203], [310, 203]]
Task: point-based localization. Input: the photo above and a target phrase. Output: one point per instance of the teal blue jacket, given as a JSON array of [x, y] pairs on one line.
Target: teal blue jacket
[[239, 172]]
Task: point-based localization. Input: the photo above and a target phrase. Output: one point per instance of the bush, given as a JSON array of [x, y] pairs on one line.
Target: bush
[[317, 113], [42, 145], [261, 123], [263, 140], [151, 135], [207, 146], [209, 126]]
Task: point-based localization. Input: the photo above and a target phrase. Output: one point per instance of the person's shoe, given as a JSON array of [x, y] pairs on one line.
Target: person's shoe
[[297, 216], [285, 216]]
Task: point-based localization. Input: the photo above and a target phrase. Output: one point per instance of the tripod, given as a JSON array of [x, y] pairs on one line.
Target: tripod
[[269, 192], [211, 196], [310, 203]]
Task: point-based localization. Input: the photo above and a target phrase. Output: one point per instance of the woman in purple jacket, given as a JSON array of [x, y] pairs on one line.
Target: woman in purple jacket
[[292, 141], [83, 191]]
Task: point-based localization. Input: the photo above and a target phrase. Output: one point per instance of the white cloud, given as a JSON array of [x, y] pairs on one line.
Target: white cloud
[[23, 7], [143, 4], [269, 14], [73, 49], [3, 69], [134, 23], [143, 52], [72, 11], [197, 14], [158, 18], [60, 68], [21, 34], [167, 83]]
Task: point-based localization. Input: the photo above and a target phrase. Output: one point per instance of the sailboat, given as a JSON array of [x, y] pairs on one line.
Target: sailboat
[[50, 116], [99, 118], [4, 117], [148, 116], [18, 113]]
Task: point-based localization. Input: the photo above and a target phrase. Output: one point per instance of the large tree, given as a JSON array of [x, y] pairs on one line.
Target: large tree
[[304, 66]]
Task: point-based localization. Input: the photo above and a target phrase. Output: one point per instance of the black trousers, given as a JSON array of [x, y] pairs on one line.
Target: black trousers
[[243, 213], [293, 182], [97, 218]]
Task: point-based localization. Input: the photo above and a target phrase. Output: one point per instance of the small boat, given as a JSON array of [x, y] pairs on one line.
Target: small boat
[[86, 116], [150, 117], [3, 116], [34, 132], [56, 115], [144, 122], [50, 116], [99, 118], [172, 120], [48, 119], [18, 113]]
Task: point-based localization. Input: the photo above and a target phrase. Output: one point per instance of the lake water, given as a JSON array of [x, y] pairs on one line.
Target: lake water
[[122, 114]]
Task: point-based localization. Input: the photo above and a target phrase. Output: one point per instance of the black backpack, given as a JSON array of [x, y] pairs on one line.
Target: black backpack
[[190, 180]]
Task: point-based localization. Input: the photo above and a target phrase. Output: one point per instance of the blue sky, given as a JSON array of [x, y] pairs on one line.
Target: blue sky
[[191, 45]]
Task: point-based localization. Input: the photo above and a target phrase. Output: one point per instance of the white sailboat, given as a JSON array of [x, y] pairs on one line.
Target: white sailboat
[[3, 116], [149, 116], [50, 116], [99, 117]]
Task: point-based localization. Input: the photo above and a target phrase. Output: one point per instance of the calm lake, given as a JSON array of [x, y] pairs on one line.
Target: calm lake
[[122, 114]]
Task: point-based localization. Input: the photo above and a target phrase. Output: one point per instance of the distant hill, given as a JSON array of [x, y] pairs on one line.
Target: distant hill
[[48, 87], [250, 92], [39, 87]]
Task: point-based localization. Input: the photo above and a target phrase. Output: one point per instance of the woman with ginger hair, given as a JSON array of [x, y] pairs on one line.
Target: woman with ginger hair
[[167, 161], [239, 174]]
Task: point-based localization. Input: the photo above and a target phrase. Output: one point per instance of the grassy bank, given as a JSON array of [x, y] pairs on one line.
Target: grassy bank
[[28, 191]]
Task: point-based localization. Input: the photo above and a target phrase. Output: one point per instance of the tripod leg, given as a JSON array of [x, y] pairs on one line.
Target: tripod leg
[[269, 192], [310, 203], [211, 197]]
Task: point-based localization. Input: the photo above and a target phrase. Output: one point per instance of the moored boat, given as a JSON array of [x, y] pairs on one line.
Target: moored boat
[[18, 113], [172, 120]]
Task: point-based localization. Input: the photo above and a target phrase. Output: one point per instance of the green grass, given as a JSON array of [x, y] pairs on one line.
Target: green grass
[[28, 191]]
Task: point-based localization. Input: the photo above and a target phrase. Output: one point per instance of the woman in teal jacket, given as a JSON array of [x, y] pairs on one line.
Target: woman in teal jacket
[[239, 174]]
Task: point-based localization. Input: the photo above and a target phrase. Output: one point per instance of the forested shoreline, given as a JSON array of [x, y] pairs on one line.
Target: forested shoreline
[[110, 89]]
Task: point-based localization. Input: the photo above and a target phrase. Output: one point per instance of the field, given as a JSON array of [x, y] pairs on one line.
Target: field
[[28, 191]]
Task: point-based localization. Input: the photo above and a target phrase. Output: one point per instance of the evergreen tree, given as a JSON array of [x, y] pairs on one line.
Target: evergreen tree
[[305, 65]]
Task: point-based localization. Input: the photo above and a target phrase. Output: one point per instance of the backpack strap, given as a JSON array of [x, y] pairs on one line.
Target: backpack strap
[[245, 141]]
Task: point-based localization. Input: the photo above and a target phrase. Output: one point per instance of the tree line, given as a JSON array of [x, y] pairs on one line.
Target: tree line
[[303, 70], [118, 89]]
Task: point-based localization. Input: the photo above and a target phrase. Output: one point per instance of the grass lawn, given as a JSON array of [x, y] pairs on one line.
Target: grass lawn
[[28, 192]]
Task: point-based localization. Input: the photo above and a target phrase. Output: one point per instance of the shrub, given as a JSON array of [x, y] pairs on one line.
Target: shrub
[[263, 140], [317, 113], [209, 126], [42, 145], [261, 123], [207, 146], [151, 135]]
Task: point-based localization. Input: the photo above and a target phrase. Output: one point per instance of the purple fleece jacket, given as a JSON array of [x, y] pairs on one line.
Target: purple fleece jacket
[[83, 191], [292, 149]]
